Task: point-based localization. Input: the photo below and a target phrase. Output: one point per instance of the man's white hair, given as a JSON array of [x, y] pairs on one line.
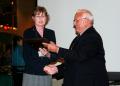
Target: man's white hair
[[88, 15]]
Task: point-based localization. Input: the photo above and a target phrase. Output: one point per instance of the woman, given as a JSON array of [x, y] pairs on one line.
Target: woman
[[36, 58]]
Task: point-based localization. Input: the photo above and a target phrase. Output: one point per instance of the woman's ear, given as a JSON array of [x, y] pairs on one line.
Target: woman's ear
[[33, 18]]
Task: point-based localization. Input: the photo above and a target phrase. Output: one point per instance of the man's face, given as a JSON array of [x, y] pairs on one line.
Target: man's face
[[39, 19], [79, 23], [20, 42]]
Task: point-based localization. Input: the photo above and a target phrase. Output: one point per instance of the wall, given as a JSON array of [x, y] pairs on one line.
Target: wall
[[24, 13], [106, 16]]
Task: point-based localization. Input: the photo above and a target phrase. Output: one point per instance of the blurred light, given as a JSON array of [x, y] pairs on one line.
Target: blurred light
[[5, 27], [12, 3], [14, 28], [10, 28], [1, 26]]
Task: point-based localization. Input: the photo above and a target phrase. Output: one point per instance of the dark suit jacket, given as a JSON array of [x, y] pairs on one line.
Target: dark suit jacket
[[34, 63], [84, 61]]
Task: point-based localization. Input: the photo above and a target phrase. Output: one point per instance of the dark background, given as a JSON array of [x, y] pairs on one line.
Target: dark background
[[8, 12]]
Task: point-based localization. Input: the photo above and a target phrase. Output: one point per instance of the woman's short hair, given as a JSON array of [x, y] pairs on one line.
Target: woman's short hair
[[40, 9]]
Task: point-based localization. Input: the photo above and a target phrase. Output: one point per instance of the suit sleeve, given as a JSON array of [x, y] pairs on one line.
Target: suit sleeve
[[83, 50], [53, 39], [60, 74]]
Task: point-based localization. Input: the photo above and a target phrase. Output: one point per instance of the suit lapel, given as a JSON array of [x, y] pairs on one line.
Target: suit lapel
[[74, 42]]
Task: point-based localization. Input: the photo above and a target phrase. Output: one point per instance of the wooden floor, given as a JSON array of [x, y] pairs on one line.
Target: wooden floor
[[57, 82]]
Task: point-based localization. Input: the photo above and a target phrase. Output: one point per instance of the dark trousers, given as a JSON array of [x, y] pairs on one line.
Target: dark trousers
[[17, 76]]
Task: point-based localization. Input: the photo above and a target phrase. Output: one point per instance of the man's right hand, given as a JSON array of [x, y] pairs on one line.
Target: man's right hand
[[51, 47]]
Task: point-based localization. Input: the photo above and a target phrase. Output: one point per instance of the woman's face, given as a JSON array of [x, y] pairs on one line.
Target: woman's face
[[39, 19]]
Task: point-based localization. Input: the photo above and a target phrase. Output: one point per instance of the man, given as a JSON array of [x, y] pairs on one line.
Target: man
[[84, 60]]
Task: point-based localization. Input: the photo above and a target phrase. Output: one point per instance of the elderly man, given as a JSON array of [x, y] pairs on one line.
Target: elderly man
[[84, 60]]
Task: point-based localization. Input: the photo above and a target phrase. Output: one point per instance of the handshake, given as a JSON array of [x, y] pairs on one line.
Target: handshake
[[51, 69]]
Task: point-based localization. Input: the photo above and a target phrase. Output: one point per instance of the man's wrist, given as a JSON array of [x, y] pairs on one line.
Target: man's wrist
[[57, 50]]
